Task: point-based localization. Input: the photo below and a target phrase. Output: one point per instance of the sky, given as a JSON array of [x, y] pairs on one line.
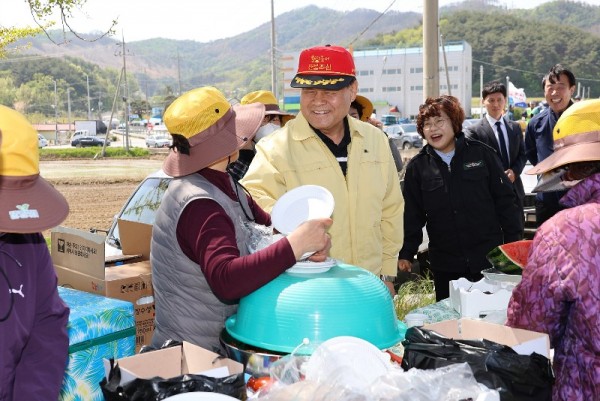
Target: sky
[[203, 20]]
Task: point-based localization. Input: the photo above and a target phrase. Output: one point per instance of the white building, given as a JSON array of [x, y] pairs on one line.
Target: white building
[[393, 78]]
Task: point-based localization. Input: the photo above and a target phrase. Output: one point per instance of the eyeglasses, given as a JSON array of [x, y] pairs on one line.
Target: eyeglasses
[[439, 123]]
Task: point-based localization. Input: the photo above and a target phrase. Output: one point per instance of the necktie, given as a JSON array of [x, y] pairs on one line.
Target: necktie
[[503, 151]]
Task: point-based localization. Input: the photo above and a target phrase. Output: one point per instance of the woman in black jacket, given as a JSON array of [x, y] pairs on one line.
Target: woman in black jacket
[[457, 188]]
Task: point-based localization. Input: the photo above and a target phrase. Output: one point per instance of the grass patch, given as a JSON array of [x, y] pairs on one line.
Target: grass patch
[[414, 294], [93, 152]]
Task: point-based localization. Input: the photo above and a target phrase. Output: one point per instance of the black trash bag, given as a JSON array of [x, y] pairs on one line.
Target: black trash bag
[[497, 366], [166, 344], [157, 388]]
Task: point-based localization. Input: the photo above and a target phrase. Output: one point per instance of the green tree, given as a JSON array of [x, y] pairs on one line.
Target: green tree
[[7, 90], [140, 107], [41, 10]]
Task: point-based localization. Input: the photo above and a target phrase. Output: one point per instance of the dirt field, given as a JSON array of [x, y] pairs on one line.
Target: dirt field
[[96, 190], [93, 206]]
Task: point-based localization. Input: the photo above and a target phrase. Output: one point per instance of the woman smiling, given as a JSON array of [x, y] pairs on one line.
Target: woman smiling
[[457, 188]]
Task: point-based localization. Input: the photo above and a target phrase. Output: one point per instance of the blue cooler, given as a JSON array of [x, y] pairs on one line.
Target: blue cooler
[[98, 328]]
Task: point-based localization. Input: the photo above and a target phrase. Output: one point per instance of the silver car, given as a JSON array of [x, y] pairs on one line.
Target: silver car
[[405, 136], [158, 141]]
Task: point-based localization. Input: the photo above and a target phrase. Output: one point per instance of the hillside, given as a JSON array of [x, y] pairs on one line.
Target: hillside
[[232, 62], [522, 44]]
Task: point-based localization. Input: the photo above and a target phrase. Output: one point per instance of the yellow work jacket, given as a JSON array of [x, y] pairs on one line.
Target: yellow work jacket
[[367, 228]]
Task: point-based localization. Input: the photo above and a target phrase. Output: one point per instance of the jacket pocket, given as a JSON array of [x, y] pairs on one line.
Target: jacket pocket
[[431, 184]]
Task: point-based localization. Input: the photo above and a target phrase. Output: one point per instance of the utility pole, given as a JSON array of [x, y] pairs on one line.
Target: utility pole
[[480, 89], [112, 112], [273, 57], [69, 108], [100, 104], [87, 80], [508, 93], [178, 74], [55, 115], [125, 92], [446, 65], [431, 74]]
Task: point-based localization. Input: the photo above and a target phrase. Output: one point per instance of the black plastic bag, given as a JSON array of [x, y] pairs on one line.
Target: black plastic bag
[[497, 366], [157, 388]]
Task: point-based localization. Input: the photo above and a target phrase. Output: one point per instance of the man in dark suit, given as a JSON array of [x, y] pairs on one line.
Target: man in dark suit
[[503, 135]]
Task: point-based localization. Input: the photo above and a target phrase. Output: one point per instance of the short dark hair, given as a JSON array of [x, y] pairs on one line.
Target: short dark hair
[[358, 107], [493, 87], [554, 76], [433, 107], [180, 143]]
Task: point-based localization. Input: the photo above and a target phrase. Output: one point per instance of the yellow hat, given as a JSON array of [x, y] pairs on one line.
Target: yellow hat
[[367, 107], [29, 203], [271, 107], [213, 128], [576, 137]]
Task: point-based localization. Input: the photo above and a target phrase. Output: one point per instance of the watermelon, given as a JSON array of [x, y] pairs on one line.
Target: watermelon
[[510, 258]]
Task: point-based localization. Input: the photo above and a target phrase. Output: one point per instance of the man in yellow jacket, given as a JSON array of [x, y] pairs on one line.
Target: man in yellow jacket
[[351, 158]]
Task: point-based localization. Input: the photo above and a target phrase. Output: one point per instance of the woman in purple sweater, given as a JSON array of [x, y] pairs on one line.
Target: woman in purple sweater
[[33, 319], [560, 290]]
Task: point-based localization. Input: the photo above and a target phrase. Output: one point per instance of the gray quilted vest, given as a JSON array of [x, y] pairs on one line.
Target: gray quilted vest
[[186, 308]]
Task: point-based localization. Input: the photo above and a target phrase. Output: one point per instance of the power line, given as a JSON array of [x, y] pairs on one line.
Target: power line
[[540, 74], [372, 23]]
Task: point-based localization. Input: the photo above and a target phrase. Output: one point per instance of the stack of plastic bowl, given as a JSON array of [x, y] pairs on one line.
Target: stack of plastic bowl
[[344, 301]]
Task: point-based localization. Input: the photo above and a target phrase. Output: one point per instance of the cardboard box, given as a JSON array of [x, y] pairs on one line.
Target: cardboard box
[[79, 261], [480, 298], [522, 341], [98, 328], [175, 361], [135, 238]]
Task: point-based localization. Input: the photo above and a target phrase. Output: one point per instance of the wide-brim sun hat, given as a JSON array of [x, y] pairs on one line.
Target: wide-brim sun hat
[[271, 107], [29, 203], [324, 67], [213, 128], [367, 107], [576, 137]]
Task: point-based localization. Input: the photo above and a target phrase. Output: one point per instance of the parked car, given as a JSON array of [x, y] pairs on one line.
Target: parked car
[[529, 182], [86, 141], [389, 119], [42, 142], [405, 136], [141, 207], [158, 141], [468, 122]]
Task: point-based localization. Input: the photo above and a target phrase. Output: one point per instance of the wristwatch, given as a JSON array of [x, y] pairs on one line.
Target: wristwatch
[[385, 277]]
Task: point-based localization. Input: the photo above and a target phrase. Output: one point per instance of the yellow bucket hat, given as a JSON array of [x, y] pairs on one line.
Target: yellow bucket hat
[[367, 107], [213, 128], [29, 203], [576, 137], [271, 107]]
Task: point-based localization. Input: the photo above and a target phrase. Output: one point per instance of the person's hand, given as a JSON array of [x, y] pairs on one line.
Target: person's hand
[[390, 287], [375, 122], [311, 236], [404, 265], [511, 175], [321, 256]]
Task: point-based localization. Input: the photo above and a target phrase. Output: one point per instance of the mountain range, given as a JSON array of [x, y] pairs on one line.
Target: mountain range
[[521, 43]]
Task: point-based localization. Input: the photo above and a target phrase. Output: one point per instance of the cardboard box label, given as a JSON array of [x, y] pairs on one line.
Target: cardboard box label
[[79, 261]]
